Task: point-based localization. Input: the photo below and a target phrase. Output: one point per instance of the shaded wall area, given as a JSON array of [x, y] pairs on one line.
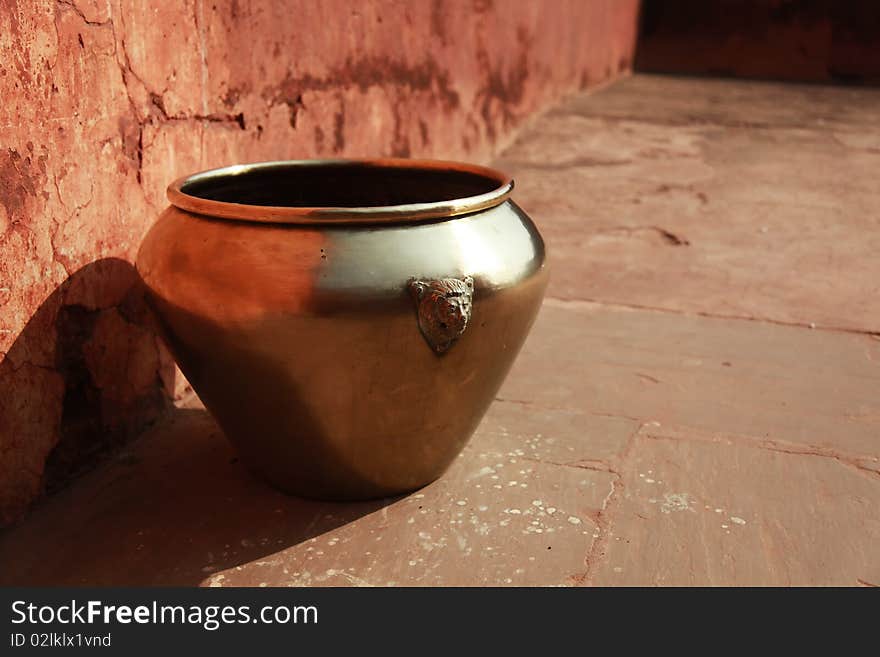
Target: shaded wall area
[[106, 102], [800, 40]]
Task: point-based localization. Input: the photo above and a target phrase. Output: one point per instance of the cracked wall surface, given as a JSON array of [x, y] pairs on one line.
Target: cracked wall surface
[[105, 102]]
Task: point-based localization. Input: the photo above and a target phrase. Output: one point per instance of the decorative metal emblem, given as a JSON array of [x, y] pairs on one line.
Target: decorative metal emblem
[[444, 309]]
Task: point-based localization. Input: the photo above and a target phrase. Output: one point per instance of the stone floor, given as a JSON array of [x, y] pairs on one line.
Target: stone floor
[[699, 403]]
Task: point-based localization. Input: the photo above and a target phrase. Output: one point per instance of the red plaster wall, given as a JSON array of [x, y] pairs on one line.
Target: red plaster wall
[[105, 102]]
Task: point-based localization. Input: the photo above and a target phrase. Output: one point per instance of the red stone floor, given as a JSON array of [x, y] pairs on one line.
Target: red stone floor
[[699, 402]]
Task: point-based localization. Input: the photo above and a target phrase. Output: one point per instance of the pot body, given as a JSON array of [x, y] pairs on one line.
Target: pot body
[[308, 345]]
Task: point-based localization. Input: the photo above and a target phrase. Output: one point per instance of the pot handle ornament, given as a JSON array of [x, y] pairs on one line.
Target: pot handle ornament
[[443, 307]]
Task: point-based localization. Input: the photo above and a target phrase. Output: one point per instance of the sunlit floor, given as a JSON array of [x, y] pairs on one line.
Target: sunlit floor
[[699, 402]]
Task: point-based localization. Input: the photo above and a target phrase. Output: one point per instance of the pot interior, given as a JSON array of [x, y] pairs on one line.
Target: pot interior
[[338, 184]]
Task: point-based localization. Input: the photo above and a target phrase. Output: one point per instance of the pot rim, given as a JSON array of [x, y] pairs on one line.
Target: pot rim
[[403, 213]]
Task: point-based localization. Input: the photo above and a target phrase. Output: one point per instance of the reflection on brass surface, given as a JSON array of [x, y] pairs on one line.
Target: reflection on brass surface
[[444, 309], [298, 297]]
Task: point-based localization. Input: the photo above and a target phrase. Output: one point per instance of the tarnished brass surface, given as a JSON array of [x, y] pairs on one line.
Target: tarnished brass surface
[[346, 358]]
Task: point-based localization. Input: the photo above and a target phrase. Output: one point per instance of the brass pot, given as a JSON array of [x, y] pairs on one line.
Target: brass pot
[[346, 322]]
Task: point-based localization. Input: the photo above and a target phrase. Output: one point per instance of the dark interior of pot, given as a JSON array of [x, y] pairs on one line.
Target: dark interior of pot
[[351, 185]]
